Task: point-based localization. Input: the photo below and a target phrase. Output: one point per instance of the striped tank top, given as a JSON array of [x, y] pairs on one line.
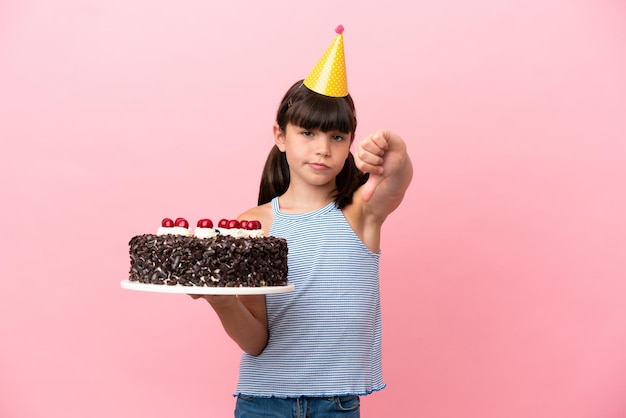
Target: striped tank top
[[325, 336]]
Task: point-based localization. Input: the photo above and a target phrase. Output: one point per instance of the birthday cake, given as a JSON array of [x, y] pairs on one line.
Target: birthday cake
[[235, 254]]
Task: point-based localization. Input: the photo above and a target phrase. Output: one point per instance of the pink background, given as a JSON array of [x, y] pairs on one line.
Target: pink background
[[502, 273]]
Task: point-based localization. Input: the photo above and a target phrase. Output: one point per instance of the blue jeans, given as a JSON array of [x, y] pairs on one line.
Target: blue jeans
[[303, 407]]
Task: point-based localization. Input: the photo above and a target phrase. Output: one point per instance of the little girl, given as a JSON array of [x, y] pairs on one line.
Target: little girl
[[312, 352]]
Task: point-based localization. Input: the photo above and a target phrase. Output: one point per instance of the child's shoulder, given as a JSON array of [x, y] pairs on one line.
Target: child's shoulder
[[360, 218], [261, 213], [355, 209]]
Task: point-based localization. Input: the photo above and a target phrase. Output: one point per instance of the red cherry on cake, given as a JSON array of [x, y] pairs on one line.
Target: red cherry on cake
[[223, 223], [233, 223], [167, 223], [205, 223], [243, 224], [253, 225], [181, 222]]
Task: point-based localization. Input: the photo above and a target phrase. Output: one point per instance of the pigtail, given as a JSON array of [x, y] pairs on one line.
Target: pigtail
[[348, 181], [275, 176]]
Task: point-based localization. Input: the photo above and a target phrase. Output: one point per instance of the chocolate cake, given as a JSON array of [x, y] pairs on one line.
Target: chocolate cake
[[225, 257]]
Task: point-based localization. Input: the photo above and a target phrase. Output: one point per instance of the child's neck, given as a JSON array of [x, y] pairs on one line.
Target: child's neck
[[301, 202]]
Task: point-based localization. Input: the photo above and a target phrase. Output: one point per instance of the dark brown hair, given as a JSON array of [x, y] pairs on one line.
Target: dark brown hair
[[304, 108]]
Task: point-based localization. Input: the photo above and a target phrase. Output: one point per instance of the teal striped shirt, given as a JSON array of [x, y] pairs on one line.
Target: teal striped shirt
[[325, 336]]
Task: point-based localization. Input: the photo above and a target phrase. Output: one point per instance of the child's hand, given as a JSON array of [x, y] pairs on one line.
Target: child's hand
[[377, 155], [216, 300], [369, 158]]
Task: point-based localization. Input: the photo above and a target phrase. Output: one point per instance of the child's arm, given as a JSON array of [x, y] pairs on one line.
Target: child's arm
[[383, 154], [244, 319]]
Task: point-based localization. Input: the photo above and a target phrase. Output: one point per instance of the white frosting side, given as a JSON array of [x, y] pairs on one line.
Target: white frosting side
[[211, 232], [175, 230], [179, 230], [256, 233], [205, 232], [242, 233], [164, 230]]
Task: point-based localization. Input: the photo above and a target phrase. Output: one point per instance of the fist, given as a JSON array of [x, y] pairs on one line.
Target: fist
[[370, 158]]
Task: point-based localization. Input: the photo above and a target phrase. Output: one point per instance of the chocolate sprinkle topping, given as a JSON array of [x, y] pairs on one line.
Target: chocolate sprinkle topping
[[222, 261]]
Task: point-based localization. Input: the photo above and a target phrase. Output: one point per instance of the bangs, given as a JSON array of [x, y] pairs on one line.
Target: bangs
[[315, 111]]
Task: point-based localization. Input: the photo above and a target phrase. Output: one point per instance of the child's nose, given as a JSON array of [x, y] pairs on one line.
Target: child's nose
[[323, 146]]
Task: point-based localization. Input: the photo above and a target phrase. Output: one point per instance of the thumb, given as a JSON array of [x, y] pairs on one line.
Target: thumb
[[370, 186]]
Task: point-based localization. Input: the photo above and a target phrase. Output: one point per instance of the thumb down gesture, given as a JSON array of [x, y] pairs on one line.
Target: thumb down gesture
[[383, 155]]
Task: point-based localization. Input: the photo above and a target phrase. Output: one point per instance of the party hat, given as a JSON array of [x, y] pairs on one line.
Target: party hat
[[329, 75]]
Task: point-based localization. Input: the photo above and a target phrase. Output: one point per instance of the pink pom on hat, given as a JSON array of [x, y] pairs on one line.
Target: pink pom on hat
[[328, 77]]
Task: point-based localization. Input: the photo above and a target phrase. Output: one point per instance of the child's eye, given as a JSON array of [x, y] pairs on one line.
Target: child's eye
[[338, 138], [307, 134]]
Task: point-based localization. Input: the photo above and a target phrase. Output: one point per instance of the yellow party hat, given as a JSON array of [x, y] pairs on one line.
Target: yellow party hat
[[329, 75]]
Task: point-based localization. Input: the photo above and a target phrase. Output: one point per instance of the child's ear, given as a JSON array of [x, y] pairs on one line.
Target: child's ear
[[279, 138]]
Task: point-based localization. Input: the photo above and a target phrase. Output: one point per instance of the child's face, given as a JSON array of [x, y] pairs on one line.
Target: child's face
[[314, 155]]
